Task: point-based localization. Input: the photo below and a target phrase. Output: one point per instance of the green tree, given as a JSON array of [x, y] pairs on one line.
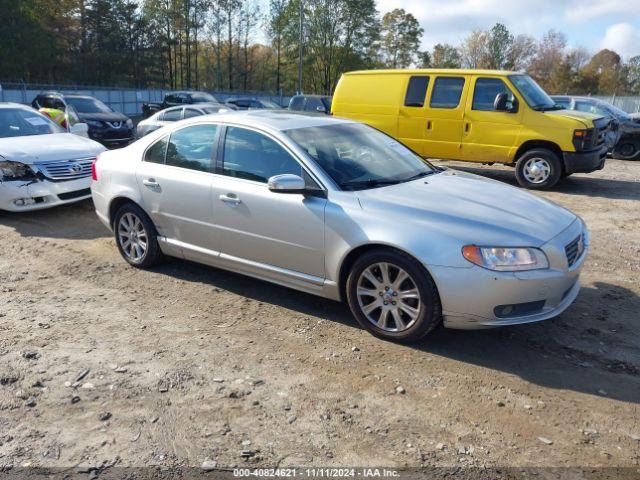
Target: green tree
[[445, 56], [499, 42], [400, 35]]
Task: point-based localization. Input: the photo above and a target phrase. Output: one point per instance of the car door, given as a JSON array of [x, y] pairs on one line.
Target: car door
[[175, 178], [444, 117], [257, 225], [490, 135], [412, 116]]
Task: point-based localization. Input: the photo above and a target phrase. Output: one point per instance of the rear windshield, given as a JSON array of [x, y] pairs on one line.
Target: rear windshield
[[17, 122]]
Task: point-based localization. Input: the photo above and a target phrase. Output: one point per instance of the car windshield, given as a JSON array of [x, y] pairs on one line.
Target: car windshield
[[356, 156], [533, 94], [88, 105], [203, 97], [18, 122]]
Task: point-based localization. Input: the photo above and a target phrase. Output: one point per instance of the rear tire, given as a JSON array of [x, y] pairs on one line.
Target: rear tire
[[136, 236], [393, 296], [538, 169]]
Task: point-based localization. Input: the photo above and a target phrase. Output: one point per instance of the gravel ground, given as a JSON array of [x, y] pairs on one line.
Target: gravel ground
[[101, 362]]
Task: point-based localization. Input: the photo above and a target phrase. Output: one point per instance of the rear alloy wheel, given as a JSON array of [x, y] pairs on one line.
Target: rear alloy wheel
[[136, 236], [538, 169], [627, 149], [392, 296]]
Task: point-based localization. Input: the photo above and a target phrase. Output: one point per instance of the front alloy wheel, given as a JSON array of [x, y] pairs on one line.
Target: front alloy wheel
[[388, 297], [393, 296]]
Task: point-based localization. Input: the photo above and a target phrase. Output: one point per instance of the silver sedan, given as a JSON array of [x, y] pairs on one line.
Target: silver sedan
[[337, 209]]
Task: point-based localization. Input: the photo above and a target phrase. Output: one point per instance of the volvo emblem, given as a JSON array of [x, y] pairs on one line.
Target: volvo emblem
[[75, 168]]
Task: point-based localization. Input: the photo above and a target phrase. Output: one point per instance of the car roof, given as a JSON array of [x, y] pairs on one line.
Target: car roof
[[15, 105], [444, 71], [278, 120]]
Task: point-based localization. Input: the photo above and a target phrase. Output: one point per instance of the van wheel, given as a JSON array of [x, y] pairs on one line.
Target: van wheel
[[538, 169], [136, 236], [392, 296]]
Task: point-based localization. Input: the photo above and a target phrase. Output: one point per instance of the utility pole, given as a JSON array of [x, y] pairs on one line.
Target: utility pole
[[300, 54]]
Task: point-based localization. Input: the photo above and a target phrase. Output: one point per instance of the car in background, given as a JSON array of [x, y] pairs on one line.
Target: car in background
[[41, 165], [174, 114], [625, 140], [253, 104], [338, 209], [106, 126], [310, 103], [173, 99]]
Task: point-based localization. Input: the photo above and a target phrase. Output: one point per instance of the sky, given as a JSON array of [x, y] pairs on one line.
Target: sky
[[593, 24]]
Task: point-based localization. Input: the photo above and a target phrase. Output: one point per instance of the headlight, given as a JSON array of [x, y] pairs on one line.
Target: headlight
[[11, 171], [94, 123], [583, 139], [129, 123], [506, 259]]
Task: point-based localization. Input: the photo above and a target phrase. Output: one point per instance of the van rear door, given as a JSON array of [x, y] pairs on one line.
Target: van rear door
[[444, 116], [412, 117]]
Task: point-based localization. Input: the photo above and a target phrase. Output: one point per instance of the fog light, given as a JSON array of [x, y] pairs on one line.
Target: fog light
[[20, 202]]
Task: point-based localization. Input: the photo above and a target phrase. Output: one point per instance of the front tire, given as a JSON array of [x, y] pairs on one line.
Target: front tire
[[136, 236], [393, 296], [627, 149], [538, 169]]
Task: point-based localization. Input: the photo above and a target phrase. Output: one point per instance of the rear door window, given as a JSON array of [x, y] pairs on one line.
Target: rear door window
[[192, 147], [156, 152], [297, 103], [447, 92], [416, 92], [191, 112]]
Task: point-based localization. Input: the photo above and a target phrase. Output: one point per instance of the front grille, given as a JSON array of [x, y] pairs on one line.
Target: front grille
[[66, 169], [77, 194], [574, 249]]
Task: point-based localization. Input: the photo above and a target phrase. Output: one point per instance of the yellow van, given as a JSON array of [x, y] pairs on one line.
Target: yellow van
[[484, 116]]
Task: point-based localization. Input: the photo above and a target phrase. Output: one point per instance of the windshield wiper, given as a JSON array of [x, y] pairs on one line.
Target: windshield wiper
[[419, 175], [370, 183], [546, 108]]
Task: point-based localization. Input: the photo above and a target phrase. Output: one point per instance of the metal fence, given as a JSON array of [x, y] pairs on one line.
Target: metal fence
[[126, 100], [626, 103], [129, 100]]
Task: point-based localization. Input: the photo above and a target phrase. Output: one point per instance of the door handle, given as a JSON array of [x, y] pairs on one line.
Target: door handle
[[230, 198], [467, 127], [150, 182], [428, 124]]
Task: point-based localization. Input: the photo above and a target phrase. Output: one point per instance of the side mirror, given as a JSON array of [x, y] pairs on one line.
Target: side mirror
[[502, 101], [321, 109], [81, 129], [286, 183]]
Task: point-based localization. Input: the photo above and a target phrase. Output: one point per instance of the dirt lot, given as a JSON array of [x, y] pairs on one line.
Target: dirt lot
[[187, 363]]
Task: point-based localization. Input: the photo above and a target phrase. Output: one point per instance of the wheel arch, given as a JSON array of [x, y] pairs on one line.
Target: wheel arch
[[532, 144], [118, 202], [352, 255]]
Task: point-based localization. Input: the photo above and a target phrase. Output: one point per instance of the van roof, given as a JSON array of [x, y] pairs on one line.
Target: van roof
[[448, 71]]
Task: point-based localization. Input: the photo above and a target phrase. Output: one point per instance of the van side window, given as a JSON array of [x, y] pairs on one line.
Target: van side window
[[416, 92], [486, 91], [447, 92], [156, 152]]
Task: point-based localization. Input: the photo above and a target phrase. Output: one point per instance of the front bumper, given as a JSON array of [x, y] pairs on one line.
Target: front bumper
[[44, 193], [471, 296], [585, 162]]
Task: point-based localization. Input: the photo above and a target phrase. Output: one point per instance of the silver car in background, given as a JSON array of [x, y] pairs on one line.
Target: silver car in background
[[175, 114], [335, 208]]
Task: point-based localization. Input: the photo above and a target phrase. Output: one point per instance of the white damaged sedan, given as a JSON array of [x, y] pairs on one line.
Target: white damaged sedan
[[41, 165]]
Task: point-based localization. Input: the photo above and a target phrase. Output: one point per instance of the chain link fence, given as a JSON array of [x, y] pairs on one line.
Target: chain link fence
[[126, 100]]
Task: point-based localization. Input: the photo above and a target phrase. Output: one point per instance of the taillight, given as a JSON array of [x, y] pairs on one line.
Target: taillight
[[94, 173]]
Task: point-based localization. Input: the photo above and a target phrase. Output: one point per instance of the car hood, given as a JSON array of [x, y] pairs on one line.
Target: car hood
[[471, 208], [584, 117], [104, 117], [41, 148]]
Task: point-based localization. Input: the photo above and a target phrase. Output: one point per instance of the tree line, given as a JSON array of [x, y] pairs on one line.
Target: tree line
[[236, 45]]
